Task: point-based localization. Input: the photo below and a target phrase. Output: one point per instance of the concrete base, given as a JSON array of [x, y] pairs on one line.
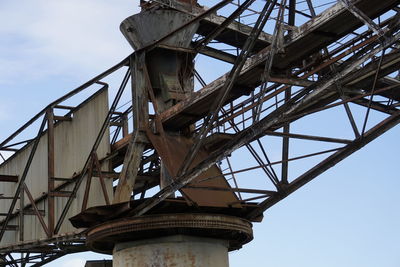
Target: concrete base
[[172, 251]]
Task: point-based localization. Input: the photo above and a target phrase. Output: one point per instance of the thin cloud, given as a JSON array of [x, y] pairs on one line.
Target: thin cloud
[[42, 38]]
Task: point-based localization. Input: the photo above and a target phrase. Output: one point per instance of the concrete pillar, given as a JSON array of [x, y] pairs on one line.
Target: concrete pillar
[[172, 251]]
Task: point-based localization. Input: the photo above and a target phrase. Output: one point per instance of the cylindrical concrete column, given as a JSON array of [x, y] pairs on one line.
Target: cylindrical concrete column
[[172, 251]]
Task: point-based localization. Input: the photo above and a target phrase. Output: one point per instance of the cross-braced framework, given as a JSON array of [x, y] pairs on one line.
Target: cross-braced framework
[[291, 65]]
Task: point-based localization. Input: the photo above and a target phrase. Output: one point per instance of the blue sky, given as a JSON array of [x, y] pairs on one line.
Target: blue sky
[[349, 216]]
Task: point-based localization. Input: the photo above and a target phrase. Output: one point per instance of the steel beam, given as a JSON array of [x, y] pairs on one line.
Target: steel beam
[[8, 178], [50, 170]]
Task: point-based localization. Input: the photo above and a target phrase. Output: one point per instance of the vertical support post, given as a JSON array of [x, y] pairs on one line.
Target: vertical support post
[[21, 214], [97, 164], [285, 143], [165, 177], [50, 170], [125, 130], [136, 146], [88, 183], [292, 12], [140, 101]]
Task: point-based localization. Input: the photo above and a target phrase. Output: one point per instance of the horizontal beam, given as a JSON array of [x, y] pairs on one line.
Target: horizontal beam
[[10, 227], [2, 197], [241, 190], [60, 194], [309, 137], [8, 178], [32, 212], [218, 54], [62, 118], [235, 34], [34, 244], [64, 107]]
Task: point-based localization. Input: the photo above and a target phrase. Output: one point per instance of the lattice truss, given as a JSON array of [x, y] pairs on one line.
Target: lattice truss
[[299, 86]]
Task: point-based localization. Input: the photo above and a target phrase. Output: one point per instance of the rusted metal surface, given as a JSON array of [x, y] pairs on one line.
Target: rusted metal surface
[[101, 214], [9, 178], [50, 170], [99, 263], [172, 150]]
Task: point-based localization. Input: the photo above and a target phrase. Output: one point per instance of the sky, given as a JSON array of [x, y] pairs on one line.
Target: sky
[[349, 216]]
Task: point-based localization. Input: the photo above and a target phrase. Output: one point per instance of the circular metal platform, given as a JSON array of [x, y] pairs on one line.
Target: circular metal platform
[[236, 231]]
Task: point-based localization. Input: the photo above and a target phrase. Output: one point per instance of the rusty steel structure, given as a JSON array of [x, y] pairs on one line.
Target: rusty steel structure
[[172, 149]]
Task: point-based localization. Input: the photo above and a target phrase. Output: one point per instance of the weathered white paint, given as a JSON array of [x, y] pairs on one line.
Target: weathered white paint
[[135, 28], [172, 251], [73, 142]]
